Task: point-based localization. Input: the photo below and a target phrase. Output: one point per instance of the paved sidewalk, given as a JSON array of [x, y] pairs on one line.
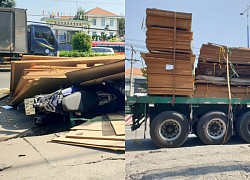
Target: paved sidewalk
[[35, 158]]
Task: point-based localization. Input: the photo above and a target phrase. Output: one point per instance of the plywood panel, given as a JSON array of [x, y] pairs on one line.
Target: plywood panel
[[86, 134]]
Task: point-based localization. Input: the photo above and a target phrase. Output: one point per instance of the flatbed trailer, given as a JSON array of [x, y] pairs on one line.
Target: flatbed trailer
[[213, 120]]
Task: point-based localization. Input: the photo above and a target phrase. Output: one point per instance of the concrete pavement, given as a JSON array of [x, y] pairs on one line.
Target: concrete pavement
[[35, 158]]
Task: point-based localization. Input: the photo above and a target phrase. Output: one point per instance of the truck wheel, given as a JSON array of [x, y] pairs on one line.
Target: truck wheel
[[213, 126], [169, 129], [243, 127]]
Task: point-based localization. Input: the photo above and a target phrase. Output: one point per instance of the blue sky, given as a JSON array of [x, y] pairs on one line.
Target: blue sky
[[68, 7], [216, 21]]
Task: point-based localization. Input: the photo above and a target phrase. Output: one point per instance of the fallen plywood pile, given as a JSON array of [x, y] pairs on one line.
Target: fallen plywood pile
[[35, 75], [211, 73], [106, 134], [170, 59]]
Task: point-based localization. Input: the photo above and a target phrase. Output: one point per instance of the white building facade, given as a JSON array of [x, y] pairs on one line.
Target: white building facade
[[103, 22], [98, 22]]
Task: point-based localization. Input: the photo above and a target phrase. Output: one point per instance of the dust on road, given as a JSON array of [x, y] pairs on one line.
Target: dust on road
[[192, 161]]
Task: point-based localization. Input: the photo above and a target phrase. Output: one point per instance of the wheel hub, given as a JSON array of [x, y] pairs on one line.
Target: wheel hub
[[216, 128], [170, 130]]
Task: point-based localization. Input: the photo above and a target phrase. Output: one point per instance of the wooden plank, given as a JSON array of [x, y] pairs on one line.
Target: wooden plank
[[218, 91], [158, 80], [169, 91], [222, 80], [95, 142], [119, 127], [162, 18], [38, 87], [93, 126], [211, 53], [96, 72], [91, 146], [118, 76], [85, 134], [34, 57], [17, 67]]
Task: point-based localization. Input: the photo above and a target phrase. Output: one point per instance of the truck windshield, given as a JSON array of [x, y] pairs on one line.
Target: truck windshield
[[45, 33]]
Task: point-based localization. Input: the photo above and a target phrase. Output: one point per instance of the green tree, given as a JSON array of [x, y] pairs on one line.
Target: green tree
[[81, 42], [80, 14], [121, 26], [7, 3]]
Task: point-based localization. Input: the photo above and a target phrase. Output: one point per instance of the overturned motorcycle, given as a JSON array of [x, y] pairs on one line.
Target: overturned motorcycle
[[75, 101]]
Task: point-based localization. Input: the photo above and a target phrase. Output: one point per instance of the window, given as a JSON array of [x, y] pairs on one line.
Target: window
[[111, 22], [102, 33], [94, 33], [94, 22], [103, 22], [44, 33]]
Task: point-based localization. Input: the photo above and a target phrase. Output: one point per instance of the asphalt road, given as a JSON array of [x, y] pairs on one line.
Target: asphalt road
[[193, 160], [14, 123]]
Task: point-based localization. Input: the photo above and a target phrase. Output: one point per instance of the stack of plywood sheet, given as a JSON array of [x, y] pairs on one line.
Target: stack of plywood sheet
[[35, 75], [170, 59], [99, 134], [211, 72]]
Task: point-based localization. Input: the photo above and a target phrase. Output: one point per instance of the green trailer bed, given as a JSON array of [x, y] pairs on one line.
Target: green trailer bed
[[213, 120]]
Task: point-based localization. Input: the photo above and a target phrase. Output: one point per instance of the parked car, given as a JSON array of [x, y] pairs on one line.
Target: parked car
[[103, 50]]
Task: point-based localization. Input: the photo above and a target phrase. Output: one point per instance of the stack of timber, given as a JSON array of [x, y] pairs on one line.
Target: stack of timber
[[170, 60], [105, 134], [211, 72], [35, 75]]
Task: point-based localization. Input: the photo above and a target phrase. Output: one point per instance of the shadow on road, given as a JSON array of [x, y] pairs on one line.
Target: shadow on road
[[147, 144], [14, 123], [193, 171]]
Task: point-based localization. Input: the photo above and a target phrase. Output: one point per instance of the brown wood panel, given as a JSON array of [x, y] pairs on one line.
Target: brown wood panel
[[96, 72], [85, 134], [38, 87], [17, 67], [95, 142], [163, 18], [218, 91]]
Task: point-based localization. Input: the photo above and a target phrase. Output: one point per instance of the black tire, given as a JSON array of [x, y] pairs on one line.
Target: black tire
[[214, 128], [243, 127], [177, 131]]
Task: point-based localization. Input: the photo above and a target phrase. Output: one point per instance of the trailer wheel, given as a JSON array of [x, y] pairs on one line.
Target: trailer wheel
[[243, 127], [214, 128], [169, 129]]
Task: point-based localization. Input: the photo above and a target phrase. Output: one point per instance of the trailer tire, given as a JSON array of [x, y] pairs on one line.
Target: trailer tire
[[212, 128], [243, 127], [169, 129]]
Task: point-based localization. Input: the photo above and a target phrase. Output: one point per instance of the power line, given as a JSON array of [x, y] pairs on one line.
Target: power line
[[86, 28]]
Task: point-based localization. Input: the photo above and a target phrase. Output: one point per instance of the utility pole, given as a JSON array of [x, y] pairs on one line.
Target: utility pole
[[131, 71], [247, 11]]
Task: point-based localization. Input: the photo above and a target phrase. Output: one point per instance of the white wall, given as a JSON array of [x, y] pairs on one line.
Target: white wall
[[99, 25]]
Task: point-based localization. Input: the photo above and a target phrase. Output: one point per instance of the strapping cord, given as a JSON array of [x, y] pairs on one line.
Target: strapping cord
[[230, 112], [174, 83]]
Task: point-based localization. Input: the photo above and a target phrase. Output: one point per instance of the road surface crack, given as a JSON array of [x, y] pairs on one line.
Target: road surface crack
[[46, 161]]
